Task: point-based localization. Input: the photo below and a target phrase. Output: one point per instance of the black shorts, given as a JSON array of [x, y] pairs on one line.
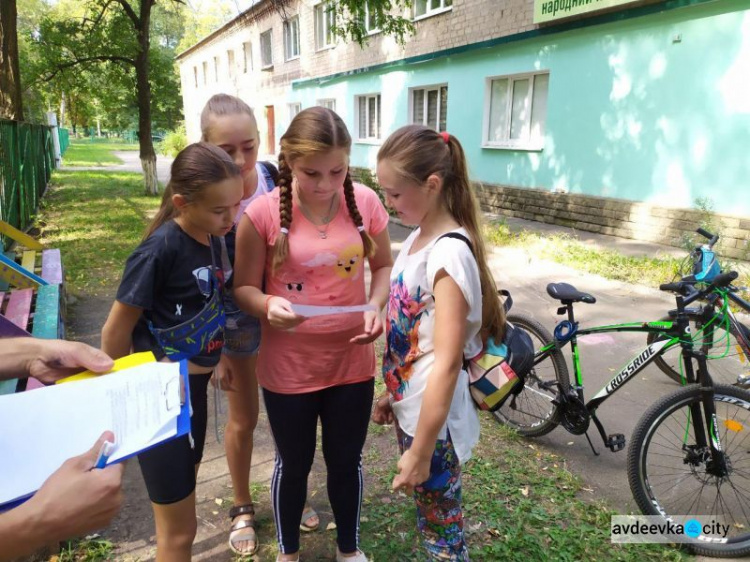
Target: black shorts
[[169, 468]]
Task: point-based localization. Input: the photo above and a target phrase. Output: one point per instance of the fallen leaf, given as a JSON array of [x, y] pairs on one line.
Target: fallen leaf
[[331, 526], [570, 443], [525, 491], [364, 519], [215, 513], [218, 501]]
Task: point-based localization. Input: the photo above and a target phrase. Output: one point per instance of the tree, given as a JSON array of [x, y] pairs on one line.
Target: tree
[[11, 106]]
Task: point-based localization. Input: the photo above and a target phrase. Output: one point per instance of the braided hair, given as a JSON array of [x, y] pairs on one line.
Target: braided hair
[[315, 130]]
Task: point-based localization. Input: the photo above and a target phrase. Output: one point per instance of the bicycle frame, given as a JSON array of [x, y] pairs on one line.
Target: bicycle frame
[[674, 332]]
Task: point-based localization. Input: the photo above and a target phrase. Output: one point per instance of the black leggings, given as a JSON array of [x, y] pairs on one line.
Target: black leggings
[[344, 413], [169, 469]]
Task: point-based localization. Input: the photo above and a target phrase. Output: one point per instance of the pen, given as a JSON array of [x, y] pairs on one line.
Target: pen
[[104, 454]]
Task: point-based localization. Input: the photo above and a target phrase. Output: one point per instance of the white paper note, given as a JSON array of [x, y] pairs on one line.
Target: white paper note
[[308, 310]]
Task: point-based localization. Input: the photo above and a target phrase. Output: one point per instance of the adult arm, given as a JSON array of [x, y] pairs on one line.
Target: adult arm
[[49, 360], [380, 267], [74, 500], [448, 340], [117, 333]]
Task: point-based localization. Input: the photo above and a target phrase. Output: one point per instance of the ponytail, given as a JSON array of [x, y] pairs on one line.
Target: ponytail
[[196, 167], [416, 152]]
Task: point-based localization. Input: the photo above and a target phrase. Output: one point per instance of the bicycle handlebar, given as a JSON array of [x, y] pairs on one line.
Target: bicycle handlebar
[[712, 238], [686, 287]]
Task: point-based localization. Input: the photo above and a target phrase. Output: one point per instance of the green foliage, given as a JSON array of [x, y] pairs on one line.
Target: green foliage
[[366, 177], [562, 248], [174, 141], [708, 221], [350, 16], [93, 549]]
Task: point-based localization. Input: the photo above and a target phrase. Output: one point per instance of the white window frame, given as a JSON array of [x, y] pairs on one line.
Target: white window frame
[[527, 143], [293, 109], [426, 89], [265, 65], [368, 138], [291, 38], [327, 41], [445, 6], [230, 62], [366, 24], [247, 57], [329, 103]]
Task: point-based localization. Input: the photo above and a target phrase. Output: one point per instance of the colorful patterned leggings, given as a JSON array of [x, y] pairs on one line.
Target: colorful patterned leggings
[[439, 517]]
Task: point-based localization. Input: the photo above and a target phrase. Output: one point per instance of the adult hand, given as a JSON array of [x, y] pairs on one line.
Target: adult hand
[[223, 375], [76, 499], [372, 330], [413, 470], [50, 360], [382, 414], [280, 314]]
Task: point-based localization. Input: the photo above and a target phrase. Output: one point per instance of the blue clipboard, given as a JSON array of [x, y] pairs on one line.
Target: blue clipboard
[[183, 428]]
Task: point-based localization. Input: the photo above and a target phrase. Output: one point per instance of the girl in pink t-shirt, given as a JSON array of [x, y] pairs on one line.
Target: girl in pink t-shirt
[[305, 244]]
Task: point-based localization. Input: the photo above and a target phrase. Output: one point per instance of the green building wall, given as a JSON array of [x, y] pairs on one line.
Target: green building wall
[[653, 108]]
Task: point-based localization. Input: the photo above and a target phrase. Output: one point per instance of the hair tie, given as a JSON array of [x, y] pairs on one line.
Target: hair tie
[[361, 228], [284, 230], [446, 136]]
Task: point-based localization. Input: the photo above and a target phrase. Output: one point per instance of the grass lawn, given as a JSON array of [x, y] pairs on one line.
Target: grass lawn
[[96, 219], [85, 152]]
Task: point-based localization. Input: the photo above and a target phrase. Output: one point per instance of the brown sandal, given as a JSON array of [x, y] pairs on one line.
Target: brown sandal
[[243, 530]]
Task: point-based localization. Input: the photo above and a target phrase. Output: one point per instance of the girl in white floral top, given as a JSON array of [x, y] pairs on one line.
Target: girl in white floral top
[[436, 316]]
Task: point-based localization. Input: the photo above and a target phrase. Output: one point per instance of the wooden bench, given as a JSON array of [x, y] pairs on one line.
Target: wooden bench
[[36, 306]]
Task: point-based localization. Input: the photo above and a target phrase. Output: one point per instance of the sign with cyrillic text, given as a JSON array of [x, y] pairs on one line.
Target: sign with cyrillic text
[[548, 10]]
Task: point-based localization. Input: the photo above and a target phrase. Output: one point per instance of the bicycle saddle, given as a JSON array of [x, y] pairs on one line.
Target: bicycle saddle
[[567, 293]]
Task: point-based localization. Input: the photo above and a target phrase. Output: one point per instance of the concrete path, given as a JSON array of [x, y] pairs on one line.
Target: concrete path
[[131, 162]]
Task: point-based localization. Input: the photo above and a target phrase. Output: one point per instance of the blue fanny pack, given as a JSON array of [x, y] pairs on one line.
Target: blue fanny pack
[[203, 334]]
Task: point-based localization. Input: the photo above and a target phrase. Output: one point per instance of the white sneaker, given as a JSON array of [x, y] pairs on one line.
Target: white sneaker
[[359, 557]]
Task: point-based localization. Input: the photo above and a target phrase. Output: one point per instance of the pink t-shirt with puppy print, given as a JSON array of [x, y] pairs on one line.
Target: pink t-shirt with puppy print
[[320, 271]]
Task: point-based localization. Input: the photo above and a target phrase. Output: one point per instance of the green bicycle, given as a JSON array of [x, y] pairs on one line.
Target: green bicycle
[[690, 452]]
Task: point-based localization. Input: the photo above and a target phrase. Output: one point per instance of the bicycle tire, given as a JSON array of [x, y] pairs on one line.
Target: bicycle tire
[[532, 412], [724, 370], [657, 457]]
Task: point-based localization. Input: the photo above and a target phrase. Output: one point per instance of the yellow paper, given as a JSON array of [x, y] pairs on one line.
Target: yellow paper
[[121, 364]]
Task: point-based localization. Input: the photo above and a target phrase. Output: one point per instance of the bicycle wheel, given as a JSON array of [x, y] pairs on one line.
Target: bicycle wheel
[[668, 474], [532, 412], [726, 359]]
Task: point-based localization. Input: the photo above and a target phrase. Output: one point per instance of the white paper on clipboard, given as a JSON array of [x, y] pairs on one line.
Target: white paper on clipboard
[[308, 310]]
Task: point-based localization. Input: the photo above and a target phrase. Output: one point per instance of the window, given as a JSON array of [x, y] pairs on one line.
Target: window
[[247, 56], [324, 17], [291, 38], [371, 24], [294, 109], [425, 8], [230, 62], [195, 75], [329, 103], [205, 72], [515, 111], [368, 117], [266, 52], [216, 69], [429, 106]]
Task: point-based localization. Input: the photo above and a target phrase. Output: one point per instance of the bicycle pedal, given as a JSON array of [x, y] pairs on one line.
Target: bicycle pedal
[[616, 442]]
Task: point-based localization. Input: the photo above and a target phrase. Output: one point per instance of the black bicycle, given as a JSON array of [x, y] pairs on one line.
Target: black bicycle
[[689, 453], [713, 326]]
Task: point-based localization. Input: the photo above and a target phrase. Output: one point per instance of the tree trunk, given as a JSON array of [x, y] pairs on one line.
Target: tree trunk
[[11, 106], [143, 96]]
